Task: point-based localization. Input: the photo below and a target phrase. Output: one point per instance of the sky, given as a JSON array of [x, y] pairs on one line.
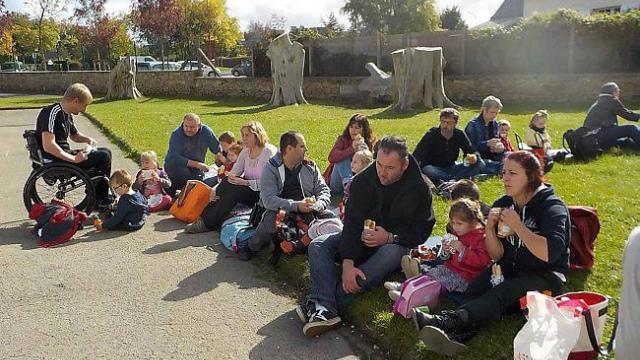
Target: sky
[[302, 12]]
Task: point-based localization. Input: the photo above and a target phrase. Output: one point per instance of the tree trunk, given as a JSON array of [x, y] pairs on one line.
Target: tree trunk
[[40, 38], [162, 53], [122, 81], [287, 71], [418, 78]]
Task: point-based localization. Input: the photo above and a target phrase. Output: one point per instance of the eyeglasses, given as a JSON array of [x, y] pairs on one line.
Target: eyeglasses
[[118, 187]]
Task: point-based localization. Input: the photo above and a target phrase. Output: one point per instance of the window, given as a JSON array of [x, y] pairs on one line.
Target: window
[[606, 10]]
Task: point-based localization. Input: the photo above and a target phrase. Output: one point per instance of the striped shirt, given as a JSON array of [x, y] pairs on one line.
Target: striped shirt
[[53, 120]]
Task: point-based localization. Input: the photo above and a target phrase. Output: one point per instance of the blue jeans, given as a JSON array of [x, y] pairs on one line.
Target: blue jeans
[[610, 136], [326, 287], [492, 167], [454, 172], [340, 174]]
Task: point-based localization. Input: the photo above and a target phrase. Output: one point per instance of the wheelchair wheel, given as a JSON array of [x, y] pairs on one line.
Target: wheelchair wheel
[[61, 181]]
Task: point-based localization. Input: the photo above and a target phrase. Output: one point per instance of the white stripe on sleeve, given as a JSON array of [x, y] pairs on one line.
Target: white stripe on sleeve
[[52, 117]]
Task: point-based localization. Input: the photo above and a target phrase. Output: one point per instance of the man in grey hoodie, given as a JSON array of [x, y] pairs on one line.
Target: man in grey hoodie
[[287, 179]]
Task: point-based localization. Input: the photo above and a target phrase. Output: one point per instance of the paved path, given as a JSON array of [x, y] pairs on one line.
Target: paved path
[[155, 293]]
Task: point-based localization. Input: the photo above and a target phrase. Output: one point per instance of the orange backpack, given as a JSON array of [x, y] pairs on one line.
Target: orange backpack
[[191, 202]]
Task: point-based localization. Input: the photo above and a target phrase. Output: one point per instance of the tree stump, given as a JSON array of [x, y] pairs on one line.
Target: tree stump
[[418, 78], [122, 81], [287, 70]]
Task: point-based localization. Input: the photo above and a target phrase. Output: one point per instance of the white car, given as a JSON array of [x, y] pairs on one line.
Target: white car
[[193, 65]]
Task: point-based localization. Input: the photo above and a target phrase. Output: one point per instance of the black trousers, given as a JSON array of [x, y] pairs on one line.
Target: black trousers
[[99, 162], [179, 175], [610, 136], [486, 303], [229, 195]]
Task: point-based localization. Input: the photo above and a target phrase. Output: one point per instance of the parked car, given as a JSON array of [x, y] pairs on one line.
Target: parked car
[[166, 66], [13, 66], [145, 59], [144, 66], [193, 65], [244, 68]]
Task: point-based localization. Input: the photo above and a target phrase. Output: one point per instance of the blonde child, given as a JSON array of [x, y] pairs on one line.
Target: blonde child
[[537, 136], [504, 126], [360, 160], [152, 181], [468, 257], [131, 211]]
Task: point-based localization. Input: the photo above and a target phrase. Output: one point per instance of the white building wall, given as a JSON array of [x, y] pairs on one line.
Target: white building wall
[[532, 7]]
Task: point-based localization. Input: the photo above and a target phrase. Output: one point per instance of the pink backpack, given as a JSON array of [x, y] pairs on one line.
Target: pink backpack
[[417, 291]]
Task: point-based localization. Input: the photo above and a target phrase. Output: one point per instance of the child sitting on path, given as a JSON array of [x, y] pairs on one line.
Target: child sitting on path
[[131, 211], [152, 181], [468, 257]]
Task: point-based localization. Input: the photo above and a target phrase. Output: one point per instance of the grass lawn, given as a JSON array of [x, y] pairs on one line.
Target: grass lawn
[[18, 102], [609, 183]]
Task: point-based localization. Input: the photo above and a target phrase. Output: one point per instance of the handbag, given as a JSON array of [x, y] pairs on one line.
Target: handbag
[[192, 201], [257, 212]]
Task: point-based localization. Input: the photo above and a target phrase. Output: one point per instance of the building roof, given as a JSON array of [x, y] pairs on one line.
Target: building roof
[[509, 9]]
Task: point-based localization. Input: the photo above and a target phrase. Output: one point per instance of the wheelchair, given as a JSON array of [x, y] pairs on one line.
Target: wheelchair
[[60, 180]]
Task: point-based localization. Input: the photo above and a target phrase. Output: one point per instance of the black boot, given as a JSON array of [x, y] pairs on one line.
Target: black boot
[[447, 320]]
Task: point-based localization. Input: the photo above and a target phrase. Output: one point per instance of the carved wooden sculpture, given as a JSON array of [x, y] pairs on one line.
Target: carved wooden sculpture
[[287, 70], [122, 81]]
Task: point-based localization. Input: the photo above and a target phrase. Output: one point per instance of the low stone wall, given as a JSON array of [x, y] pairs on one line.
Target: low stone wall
[[510, 88]]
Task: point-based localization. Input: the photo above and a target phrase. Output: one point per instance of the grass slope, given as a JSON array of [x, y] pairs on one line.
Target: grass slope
[[609, 183]]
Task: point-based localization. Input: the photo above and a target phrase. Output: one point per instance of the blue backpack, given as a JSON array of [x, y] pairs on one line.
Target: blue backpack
[[236, 232]]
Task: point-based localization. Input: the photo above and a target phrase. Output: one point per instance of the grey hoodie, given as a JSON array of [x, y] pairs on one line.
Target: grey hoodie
[[272, 184]]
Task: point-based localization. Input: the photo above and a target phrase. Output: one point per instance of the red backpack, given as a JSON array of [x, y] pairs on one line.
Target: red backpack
[[57, 222], [585, 227]]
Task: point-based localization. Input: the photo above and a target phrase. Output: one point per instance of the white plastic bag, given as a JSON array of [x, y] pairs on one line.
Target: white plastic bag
[[549, 334]]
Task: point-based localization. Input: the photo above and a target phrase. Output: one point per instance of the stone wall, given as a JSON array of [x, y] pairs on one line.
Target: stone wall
[[510, 88]]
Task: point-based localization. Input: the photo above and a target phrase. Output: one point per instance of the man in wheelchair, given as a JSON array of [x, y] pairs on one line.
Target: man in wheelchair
[[55, 126]]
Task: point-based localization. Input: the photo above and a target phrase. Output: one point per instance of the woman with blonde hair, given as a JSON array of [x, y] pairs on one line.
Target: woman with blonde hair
[[242, 183]]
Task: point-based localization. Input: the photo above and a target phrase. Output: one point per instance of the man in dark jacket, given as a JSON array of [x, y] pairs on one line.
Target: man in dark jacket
[[603, 115], [438, 150], [187, 151], [393, 194]]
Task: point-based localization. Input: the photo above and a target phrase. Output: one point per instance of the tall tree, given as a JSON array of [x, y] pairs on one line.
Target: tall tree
[[392, 17], [45, 9], [25, 33], [6, 40], [332, 28], [451, 19], [157, 20]]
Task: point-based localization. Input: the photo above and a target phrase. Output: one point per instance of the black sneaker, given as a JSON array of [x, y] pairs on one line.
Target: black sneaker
[[441, 342], [305, 311], [320, 322], [447, 320]]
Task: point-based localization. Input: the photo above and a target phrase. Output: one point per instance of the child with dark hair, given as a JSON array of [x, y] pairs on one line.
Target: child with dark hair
[[468, 254], [466, 188], [226, 139]]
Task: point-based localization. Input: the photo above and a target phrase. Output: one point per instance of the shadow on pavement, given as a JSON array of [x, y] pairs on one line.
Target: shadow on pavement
[[168, 224], [288, 326], [19, 234], [182, 241]]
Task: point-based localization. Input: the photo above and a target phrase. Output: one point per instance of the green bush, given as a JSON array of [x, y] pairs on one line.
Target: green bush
[[542, 44]]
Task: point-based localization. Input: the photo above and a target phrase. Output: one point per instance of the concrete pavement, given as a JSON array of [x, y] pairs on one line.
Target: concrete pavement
[[155, 293]]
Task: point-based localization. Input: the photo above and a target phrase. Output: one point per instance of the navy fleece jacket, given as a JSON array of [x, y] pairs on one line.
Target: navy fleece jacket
[[545, 215]]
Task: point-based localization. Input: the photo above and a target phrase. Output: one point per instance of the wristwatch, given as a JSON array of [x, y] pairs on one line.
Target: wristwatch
[[396, 238]]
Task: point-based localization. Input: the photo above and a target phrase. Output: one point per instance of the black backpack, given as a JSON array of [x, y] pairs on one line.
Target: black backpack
[[583, 143]]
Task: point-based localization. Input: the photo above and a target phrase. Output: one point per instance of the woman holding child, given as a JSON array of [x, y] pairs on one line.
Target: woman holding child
[[242, 183], [358, 135], [527, 235]]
